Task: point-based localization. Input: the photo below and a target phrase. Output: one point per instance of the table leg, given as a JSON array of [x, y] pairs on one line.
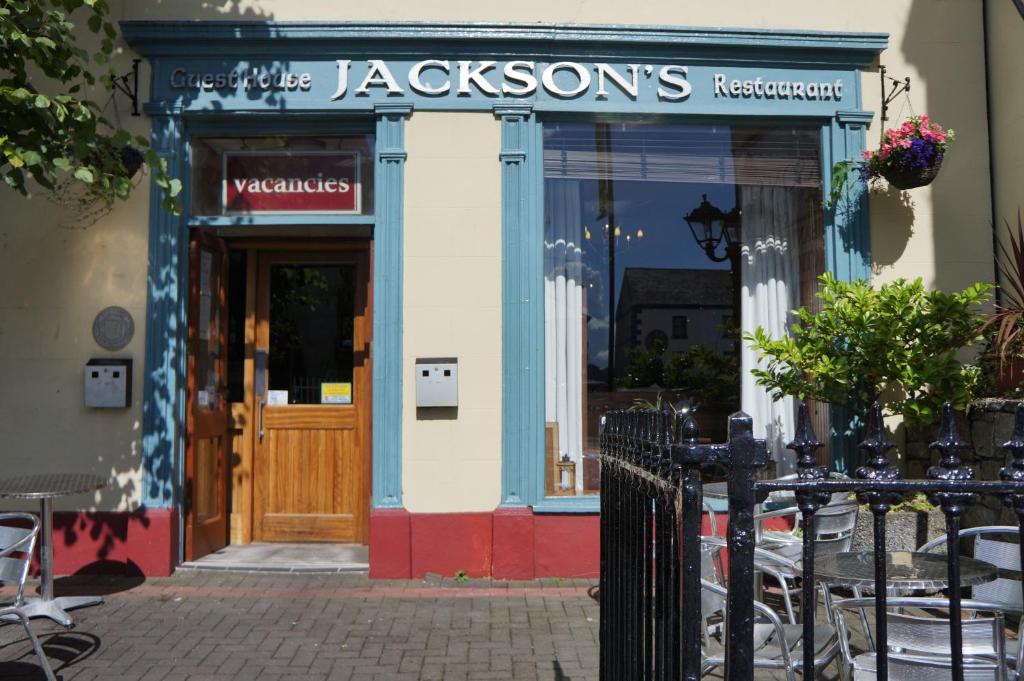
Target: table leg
[[46, 550], [46, 605]]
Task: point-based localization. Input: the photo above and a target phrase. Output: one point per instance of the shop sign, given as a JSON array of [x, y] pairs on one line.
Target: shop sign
[[290, 182], [435, 79]]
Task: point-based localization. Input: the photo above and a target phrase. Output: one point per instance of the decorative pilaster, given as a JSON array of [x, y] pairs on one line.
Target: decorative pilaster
[[389, 199], [163, 405], [522, 260], [848, 255]]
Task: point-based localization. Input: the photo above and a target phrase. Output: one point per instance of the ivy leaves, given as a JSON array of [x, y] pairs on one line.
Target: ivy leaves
[[50, 133], [897, 344]]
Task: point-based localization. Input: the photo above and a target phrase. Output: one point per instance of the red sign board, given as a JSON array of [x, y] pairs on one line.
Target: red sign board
[[291, 182]]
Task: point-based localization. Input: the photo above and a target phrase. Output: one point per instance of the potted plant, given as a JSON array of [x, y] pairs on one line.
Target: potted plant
[[1003, 364], [897, 345], [909, 156]]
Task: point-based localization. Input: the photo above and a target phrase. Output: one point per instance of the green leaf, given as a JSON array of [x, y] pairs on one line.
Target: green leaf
[[84, 174], [31, 158], [61, 163], [95, 23], [42, 101], [175, 188]]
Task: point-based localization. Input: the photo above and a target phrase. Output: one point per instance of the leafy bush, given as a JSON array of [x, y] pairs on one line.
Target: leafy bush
[[896, 344]]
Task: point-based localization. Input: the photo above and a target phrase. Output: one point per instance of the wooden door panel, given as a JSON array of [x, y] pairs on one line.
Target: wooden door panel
[[311, 464], [312, 482], [206, 509]]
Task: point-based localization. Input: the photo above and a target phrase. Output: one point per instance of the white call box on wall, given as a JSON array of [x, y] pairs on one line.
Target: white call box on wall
[[108, 383], [437, 382]]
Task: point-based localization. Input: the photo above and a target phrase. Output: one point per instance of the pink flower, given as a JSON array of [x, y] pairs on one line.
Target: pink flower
[[865, 155]]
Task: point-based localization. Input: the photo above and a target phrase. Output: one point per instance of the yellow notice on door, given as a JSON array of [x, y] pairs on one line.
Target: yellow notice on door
[[335, 393]]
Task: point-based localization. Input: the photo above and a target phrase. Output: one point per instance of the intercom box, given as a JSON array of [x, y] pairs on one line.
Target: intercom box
[[108, 383], [437, 382]]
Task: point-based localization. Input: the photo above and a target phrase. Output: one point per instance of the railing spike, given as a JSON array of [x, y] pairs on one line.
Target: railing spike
[[689, 431]]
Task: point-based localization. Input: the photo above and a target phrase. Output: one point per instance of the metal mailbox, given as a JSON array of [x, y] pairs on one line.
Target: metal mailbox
[[437, 382]]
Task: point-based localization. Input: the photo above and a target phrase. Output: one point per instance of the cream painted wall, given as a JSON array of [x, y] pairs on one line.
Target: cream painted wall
[[1006, 45], [452, 307], [55, 276]]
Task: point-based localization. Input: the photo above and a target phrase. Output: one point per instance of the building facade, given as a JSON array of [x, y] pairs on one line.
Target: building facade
[[424, 248]]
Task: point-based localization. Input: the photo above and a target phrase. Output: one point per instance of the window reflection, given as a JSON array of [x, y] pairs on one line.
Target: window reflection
[[637, 309]]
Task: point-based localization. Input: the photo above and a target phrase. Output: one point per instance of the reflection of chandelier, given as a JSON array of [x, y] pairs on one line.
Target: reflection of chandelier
[[710, 227]]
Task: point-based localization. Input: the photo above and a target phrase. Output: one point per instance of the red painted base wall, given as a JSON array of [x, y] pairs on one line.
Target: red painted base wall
[[505, 544], [142, 542]]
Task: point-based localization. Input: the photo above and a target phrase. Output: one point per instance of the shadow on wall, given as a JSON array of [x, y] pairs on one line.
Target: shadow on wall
[[947, 50], [889, 243]]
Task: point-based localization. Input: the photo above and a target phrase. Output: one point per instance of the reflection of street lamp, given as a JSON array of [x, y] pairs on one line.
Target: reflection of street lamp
[[710, 227]]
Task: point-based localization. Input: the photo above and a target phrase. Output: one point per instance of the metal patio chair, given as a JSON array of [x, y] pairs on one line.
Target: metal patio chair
[[20, 541], [920, 645], [779, 552], [1005, 555], [776, 645]]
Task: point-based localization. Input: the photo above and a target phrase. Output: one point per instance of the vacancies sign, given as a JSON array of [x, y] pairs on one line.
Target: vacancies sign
[[290, 182]]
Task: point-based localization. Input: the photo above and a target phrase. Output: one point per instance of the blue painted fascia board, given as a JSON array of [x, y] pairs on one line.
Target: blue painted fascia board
[[256, 38]]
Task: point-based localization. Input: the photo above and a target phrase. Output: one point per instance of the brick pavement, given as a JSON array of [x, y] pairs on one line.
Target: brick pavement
[[220, 626]]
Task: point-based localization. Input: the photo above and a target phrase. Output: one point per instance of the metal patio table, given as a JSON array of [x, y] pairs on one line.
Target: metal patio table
[[44, 488], [904, 570]]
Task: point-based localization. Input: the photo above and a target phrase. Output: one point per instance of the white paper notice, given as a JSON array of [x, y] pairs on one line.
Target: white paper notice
[[276, 398]]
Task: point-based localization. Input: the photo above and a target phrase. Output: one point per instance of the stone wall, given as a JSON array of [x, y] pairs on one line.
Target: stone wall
[[987, 424]]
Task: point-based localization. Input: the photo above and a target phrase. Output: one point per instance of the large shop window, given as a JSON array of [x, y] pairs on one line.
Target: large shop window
[[638, 307]]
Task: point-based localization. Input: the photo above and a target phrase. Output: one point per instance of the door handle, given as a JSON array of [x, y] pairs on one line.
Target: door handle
[[259, 418]]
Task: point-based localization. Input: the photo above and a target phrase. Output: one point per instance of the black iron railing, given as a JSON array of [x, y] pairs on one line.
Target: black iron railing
[[651, 510]]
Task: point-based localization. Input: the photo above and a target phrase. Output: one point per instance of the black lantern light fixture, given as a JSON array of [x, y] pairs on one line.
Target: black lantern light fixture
[[710, 227]]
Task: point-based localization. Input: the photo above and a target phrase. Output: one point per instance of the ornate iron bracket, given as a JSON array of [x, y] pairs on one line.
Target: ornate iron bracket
[[898, 87], [129, 85]]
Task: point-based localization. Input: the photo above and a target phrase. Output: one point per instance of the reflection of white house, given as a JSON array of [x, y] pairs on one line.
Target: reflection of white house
[[682, 307]]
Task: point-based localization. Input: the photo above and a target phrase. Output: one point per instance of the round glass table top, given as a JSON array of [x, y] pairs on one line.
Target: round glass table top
[[904, 569], [47, 485]]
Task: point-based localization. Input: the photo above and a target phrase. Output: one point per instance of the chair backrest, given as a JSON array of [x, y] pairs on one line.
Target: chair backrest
[[834, 526], [981, 636], [1005, 555], [18, 532]]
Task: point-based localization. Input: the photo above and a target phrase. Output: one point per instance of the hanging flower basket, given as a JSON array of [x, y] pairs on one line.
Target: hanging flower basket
[[909, 156], [910, 178]]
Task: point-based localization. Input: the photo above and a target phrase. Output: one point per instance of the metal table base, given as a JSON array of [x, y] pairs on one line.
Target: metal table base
[[44, 488]]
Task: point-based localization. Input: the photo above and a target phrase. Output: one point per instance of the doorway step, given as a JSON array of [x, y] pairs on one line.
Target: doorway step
[[282, 557]]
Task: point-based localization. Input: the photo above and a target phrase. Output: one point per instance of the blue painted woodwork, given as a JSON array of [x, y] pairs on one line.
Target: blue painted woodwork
[[388, 252], [163, 403], [314, 47], [522, 276]]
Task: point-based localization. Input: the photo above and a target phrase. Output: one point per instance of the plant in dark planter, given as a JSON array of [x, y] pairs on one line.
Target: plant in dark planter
[[1003, 364], [909, 156]]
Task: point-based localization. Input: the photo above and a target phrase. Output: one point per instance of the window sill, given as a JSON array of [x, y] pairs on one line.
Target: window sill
[[590, 503]]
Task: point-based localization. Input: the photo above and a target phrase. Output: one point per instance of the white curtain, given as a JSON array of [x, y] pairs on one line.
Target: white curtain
[[563, 318], [769, 267]]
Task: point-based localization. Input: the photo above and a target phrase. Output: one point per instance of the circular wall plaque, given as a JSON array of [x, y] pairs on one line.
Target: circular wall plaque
[[113, 328]]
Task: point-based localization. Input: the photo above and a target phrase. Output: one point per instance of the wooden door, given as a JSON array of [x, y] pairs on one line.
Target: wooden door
[[312, 384], [206, 405]]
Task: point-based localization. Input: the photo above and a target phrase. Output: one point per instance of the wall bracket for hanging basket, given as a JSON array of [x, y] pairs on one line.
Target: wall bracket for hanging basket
[[129, 85], [898, 88]]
